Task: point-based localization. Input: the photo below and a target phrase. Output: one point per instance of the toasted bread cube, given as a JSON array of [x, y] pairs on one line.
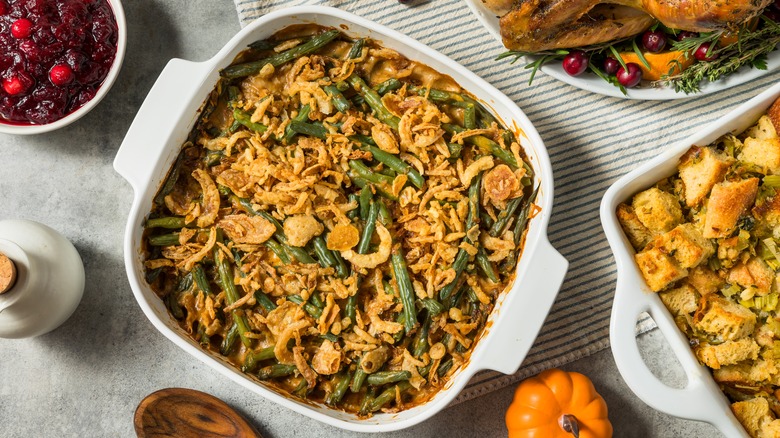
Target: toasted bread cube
[[727, 353], [754, 414], [658, 269], [637, 233], [686, 244], [746, 373], [682, 300], [657, 210], [700, 169], [728, 201], [754, 273], [774, 115], [763, 129], [764, 153], [705, 280], [723, 318]]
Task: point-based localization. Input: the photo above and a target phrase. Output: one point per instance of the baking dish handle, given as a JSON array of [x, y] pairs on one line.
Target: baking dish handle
[[700, 399], [540, 284], [171, 96]]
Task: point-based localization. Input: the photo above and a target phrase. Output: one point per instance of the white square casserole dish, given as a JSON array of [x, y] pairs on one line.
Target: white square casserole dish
[[701, 399], [169, 113]]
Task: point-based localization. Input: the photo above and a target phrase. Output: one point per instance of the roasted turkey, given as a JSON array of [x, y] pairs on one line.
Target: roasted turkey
[[538, 25]]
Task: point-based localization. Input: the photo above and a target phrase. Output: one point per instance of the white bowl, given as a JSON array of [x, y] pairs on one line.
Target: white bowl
[[700, 399], [594, 84], [121, 42], [166, 118]]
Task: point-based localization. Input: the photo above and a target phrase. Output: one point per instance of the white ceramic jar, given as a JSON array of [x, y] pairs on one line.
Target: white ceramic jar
[[48, 283]]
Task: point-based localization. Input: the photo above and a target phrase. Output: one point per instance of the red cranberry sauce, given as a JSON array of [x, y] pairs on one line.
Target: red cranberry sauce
[[54, 54]]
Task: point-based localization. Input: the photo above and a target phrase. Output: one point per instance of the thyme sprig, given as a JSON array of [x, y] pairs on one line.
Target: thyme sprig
[[750, 49]]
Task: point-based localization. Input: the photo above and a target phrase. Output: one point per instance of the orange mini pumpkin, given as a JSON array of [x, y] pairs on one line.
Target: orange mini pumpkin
[[557, 404]]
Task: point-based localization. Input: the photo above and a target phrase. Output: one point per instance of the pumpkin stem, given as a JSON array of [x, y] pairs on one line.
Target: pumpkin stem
[[569, 424]]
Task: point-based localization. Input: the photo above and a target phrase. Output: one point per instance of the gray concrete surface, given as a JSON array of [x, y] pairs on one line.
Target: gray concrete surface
[[87, 377]]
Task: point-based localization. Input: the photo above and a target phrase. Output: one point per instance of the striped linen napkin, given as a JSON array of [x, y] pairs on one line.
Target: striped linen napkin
[[592, 141]]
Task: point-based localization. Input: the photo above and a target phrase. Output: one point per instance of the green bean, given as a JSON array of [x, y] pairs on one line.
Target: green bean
[[454, 150], [444, 367], [420, 344], [362, 183], [213, 157], [388, 86], [302, 116], [338, 99], [172, 301], [462, 257], [503, 217], [358, 378], [368, 398], [469, 114], [302, 390], [229, 340], [316, 300], [384, 213], [250, 68], [203, 338], [368, 229], [262, 45], [164, 240], [350, 310], [276, 370], [231, 294], [472, 296], [342, 86], [245, 119], [253, 359], [172, 222], [355, 212], [364, 139], [311, 129], [437, 95], [339, 389], [387, 396], [325, 256], [486, 220], [170, 181], [365, 202], [405, 289], [380, 378], [278, 250], [434, 306], [396, 164], [374, 101], [517, 231], [486, 145], [486, 266], [342, 270], [200, 279], [364, 172], [357, 49], [310, 308]]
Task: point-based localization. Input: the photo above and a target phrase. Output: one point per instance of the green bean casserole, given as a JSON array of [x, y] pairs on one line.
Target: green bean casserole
[[340, 222]]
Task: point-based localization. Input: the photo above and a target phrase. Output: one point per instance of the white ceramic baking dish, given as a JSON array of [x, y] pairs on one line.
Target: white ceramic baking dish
[[700, 399], [167, 116]]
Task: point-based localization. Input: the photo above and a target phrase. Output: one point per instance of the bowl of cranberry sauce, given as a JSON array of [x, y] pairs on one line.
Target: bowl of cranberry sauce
[[58, 59]]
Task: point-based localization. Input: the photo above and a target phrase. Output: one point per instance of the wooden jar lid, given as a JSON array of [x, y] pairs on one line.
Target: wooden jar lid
[[7, 273]]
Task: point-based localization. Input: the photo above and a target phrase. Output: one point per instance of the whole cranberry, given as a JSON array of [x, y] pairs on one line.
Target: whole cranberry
[[611, 66], [686, 34], [3, 7], [15, 85], [630, 76], [654, 40], [21, 28], [61, 75], [575, 63], [701, 53]]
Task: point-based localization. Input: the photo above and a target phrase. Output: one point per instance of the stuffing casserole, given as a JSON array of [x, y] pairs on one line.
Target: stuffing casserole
[[340, 222], [707, 242]]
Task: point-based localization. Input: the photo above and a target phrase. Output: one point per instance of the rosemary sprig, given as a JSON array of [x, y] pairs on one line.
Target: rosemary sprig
[[750, 50], [542, 58]]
